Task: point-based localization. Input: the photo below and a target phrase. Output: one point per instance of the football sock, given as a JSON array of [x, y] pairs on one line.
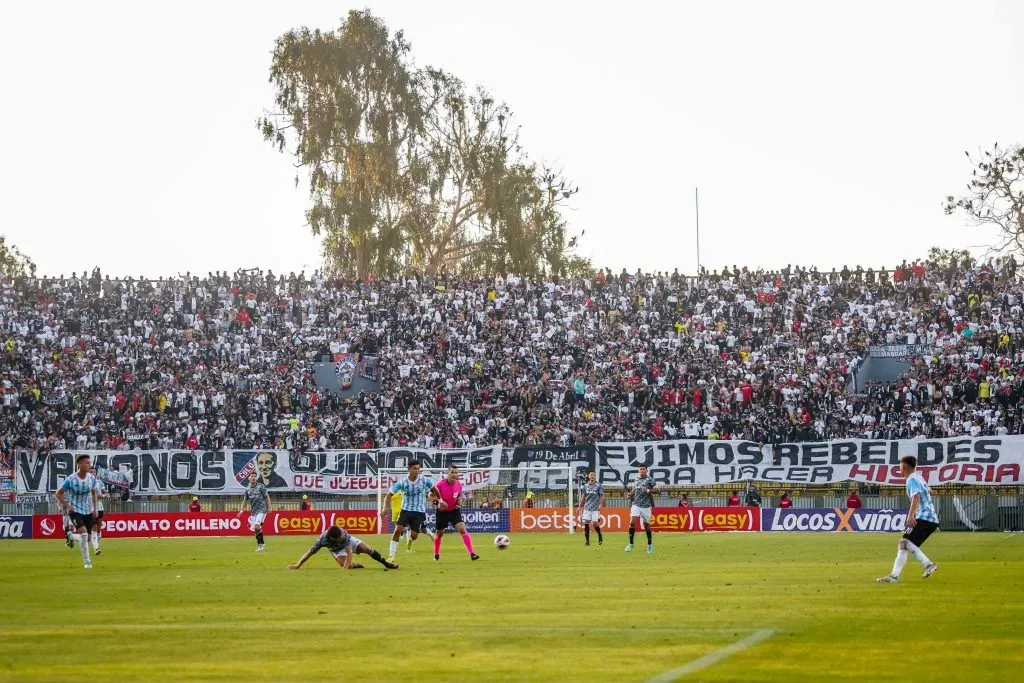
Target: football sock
[[469, 542], [901, 559], [632, 530], [95, 541], [394, 548], [918, 555], [83, 540], [377, 556], [598, 530], [437, 544], [259, 537], [586, 532], [647, 530]]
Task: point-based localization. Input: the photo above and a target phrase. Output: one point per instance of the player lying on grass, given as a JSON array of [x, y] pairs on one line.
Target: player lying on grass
[[343, 546]]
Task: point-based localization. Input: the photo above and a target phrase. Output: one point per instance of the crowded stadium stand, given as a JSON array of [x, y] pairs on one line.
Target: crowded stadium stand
[[225, 362]]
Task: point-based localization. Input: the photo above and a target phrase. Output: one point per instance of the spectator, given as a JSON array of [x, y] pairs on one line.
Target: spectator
[[753, 497], [785, 501], [684, 501], [734, 499], [194, 505], [853, 501], [224, 361], [306, 504]]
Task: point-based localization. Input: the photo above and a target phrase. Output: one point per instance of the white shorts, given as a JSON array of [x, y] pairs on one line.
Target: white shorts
[[256, 520], [643, 513], [592, 516], [353, 545]]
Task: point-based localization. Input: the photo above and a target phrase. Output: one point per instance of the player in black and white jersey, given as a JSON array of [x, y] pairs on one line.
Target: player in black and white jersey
[[343, 546], [641, 492], [97, 532], [259, 505], [591, 501]]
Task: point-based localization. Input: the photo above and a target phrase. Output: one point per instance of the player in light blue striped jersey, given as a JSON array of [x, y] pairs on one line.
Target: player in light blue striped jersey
[[414, 505], [922, 522], [77, 495]]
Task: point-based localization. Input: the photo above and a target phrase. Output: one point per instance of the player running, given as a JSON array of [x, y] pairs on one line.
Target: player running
[[259, 505], [922, 522], [591, 501], [77, 495], [69, 525], [343, 547], [101, 493], [450, 489], [396, 512], [414, 505], [643, 502]]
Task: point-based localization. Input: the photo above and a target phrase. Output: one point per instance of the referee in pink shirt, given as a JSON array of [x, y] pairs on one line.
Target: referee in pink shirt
[[450, 489]]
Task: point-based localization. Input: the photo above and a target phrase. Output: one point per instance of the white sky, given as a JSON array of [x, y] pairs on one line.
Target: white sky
[[820, 133]]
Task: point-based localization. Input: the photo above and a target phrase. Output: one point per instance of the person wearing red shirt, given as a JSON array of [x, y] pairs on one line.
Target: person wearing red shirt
[[194, 505], [191, 443], [684, 501], [853, 502], [734, 499], [785, 502], [305, 505]]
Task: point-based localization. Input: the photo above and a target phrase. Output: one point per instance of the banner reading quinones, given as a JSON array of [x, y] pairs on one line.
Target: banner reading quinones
[[979, 461]]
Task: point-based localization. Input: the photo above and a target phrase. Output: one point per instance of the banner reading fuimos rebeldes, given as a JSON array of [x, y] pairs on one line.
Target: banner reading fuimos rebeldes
[[980, 461]]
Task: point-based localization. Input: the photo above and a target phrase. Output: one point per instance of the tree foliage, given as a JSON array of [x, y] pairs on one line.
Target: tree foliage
[[995, 195], [944, 258], [13, 263], [408, 168]]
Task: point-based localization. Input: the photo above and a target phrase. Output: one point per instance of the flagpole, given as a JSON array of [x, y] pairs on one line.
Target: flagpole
[[696, 208]]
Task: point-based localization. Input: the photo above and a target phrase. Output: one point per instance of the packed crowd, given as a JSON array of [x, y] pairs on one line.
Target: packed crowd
[[225, 361]]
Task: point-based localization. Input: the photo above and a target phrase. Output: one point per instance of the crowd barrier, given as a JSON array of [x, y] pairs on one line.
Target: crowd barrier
[[665, 520]]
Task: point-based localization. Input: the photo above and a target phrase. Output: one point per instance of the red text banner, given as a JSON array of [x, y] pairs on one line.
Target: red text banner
[[662, 519], [186, 524]]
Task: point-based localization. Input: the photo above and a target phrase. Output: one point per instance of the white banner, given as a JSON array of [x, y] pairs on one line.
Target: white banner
[[990, 461], [350, 472]]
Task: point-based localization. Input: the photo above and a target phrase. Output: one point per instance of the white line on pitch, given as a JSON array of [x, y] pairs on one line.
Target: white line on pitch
[[713, 657], [348, 626]]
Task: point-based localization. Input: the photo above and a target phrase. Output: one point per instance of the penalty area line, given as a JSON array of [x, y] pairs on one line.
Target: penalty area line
[[713, 657], [374, 628]]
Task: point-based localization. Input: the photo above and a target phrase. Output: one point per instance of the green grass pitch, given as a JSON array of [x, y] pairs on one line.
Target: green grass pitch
[[545, 609]]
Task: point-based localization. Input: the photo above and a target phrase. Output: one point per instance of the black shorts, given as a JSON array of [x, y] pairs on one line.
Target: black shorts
[[99, 516], [79, 521], [448, 517], [920, 533], [413, 521]]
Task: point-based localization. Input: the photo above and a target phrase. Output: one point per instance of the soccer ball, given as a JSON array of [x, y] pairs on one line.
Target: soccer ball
[[501, 541]]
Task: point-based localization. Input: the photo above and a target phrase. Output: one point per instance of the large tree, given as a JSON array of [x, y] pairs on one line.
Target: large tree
[[348, 107], [995, 195], [408, 168]]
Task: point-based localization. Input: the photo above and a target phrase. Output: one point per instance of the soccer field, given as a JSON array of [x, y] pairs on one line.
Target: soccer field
[[703, 606]]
